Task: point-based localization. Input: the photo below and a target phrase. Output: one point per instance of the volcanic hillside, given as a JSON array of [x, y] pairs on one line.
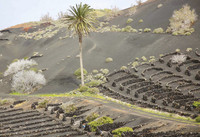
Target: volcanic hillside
[[59, 54]]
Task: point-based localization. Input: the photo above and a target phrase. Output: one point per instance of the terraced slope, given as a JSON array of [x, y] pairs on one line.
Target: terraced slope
[[53, 121], [160, 85], [20, 123]]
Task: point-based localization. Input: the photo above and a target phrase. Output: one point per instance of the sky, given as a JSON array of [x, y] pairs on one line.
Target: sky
[[13, 12]]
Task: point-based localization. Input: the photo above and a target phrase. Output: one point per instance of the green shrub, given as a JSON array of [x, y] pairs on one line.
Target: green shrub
[[175, 33], [43, 104], [129, 20], [140, 21], [144, 58], [159, 6], [15, 60], [196, 104], [178, 50], [161, 55], [25, 58], [118, 30], [93, 83], [93, 90], [83, 88], [197, 119], [128, 28], [158, 30], [134, 30], [135, 63], [119, 131], [113, 28], [123, 30], [78, 72], [147, 30], [187, 33], [34, 69], [95, 71], [92, 117], [109, 60], [99, 76], [70, 108], [152, 60], [3, 102], [140, 30], [123, 68], [136, 59], [99, 122], [189, 49], [104, 71], [152, 57]]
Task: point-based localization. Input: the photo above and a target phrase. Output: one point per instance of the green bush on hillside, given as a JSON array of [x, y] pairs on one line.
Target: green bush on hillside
[[129, 20], [197, 119], [147, 30], [78, 72], [69, 108], [129, 29], [119, 131], [159, 6], [93, 83], [140, 21], [93, 90], [158, 30], [109, 60], [189, 49], [104, 71], [196, 104], [83, 88], [43, 104], [3, 102], [99, 122], [92, 117], [95, 71], [123, 68]]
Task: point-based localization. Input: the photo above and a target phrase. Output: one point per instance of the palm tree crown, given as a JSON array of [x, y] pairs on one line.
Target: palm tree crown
[[81, 19]]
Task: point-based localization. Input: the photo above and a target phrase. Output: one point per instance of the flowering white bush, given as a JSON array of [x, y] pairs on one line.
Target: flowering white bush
[[178, 58], [182, 20], [19, 65], [27, 81]]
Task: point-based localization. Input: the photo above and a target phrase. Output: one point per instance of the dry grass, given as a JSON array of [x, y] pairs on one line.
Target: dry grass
[[46, 18]]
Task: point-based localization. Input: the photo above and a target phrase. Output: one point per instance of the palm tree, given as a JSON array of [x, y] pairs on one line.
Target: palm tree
[[81, 23]]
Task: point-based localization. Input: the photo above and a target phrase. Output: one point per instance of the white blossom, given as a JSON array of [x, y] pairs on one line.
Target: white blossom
[[178, 58], [18, 66], [27, 81]]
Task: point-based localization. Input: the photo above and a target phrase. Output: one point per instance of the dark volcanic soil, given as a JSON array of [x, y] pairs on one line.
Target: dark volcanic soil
[[122, 47], [38, 122]]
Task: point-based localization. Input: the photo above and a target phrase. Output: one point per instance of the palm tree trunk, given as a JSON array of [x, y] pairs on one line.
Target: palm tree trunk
[[81, 59]]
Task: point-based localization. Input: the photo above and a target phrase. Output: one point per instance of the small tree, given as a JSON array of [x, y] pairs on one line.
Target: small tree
[[19, 65], [27, 81], [24, 78], [81, 23]]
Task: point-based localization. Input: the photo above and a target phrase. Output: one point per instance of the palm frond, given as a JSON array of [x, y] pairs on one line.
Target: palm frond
[[80, 19]]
